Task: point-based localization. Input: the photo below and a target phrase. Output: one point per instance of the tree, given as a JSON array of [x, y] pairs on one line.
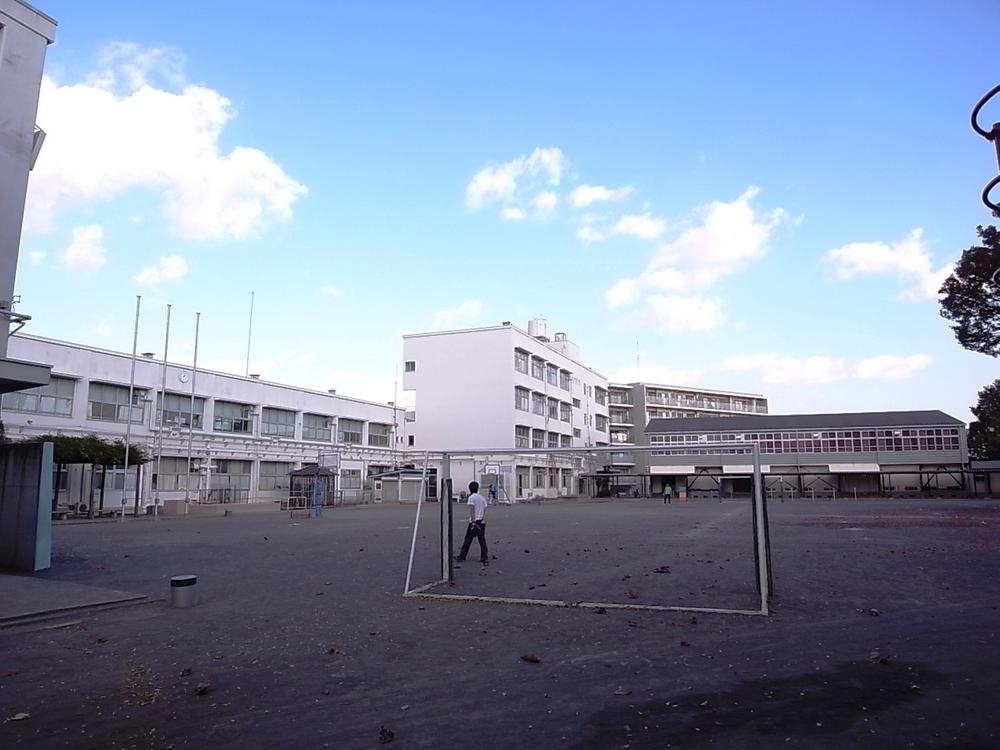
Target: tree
[[972, 295], [91, 450], [984, 433]]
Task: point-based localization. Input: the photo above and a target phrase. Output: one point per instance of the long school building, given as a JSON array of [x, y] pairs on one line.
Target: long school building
[[813, 455], [245, 437]]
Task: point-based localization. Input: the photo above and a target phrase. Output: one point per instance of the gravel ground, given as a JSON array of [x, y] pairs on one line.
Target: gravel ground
[[883, 632]]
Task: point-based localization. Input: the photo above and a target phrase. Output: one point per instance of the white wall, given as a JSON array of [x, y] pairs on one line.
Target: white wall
[[24, 36]]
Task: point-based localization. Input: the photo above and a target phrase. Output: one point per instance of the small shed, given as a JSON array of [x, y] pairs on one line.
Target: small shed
[[403, 485], [303, 484]]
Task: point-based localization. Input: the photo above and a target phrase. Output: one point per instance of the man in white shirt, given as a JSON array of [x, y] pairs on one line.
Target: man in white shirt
[[477, 525]]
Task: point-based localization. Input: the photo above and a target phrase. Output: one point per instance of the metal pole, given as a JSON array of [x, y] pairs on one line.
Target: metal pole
[[249, 334], [446, 570], [194, 375], [416, 522], [159, 434], [131, 391], [761, 551]]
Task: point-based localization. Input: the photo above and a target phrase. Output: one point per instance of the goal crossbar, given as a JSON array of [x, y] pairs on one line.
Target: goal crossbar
[[761, 537]]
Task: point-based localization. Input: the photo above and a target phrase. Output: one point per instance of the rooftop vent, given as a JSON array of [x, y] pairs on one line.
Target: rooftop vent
[[255, 376], [149, 355], [332, 391]]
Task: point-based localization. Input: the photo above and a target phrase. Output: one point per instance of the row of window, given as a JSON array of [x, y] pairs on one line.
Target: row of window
[[110, 403], [526, 437], [540, 404], [671, 398], [537, 367], [831, 441], [539, 477]]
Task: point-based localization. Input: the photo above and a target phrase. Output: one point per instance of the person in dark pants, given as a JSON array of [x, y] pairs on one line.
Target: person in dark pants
[[477, 525]]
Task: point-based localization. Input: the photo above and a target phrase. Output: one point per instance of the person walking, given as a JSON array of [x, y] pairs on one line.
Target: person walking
[[477, 525], [493, 494]]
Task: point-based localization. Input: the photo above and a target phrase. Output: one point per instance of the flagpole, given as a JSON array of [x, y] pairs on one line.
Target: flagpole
[[159, 433], [131, 391], [194, 375], [249, 335]]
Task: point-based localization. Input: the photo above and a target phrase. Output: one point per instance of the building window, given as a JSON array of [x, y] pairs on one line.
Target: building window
[[317, 427], [600, 395], [538, 403], [173, 474], [538, 478], [177, 410], [553, 409], [521, 361], [552, 374], [350, 479], [565, 412], [56, 398], [274, 475], [565, 441], [109, 403], [522, 436], [564, 379], [409, 440], [349, 431], [576, 432], [232, 417], [553, 440], [521, 398], [538, 438], [576, 403], [410, 365], [379, 434], [277, 422], [601, 422], [538, 368], [232, 475]]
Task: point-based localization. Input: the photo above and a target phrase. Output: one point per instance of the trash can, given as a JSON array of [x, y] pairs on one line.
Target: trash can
[[182, 591]]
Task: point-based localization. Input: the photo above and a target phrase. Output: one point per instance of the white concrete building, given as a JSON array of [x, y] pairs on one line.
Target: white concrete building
[[246, 434], [25, 33], [501, 387]]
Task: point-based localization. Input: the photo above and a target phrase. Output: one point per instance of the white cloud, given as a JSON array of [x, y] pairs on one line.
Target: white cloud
[[330, 291], [889, 367], [909, 259], [512, 213], [118, 132], [169, 268], [676, 314], [584, 195], [500, 182], [35, 257], [86, 252], [545, 202], [726, 238], [588, 235], [775, 369], [463, 313], [642, 226]]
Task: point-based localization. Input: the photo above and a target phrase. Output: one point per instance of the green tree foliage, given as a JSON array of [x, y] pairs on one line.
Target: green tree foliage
[[91, 450], [984, 433], [972, 295]]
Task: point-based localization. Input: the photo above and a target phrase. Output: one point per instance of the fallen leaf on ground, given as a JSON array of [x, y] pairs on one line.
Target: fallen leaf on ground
[[186, 672], [334, 651], [202, 688], [622, 691], [385, 736], [19, 716], [531, 659]]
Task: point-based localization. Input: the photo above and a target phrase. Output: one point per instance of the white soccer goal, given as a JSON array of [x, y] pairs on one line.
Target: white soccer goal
[[556, 464]]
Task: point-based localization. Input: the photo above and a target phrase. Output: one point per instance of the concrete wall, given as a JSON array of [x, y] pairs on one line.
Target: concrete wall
[[26, 506]]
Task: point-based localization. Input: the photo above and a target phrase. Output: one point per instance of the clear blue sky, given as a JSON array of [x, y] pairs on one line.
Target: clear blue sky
[[756, 197]]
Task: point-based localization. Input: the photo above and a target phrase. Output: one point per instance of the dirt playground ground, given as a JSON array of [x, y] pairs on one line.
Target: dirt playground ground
[[883, 632]]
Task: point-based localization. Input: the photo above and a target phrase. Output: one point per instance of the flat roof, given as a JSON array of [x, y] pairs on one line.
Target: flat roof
[[742, 422], [244, 378], [508, 327], [694, 388]]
